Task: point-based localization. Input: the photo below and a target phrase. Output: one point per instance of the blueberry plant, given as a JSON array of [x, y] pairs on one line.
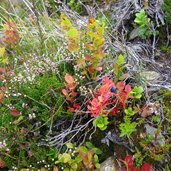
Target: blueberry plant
[[59, 104]]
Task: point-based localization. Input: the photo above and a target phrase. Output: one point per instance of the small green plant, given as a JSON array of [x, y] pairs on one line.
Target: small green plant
[[90, 42], [119, 68], [143, 22], [128, 127], [101, 122]]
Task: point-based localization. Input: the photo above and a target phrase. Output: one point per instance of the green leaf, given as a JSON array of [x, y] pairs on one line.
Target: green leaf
[[96, 161], [156, 118], [89, 145], [138, 90], [140, 17], [129, 111], [64, 158], [97, 165], [4, 60], [97, 151], [127, 128], [138, 96], [70, 145], [78, 159], [120, 60], [101, 122], [74, 166], [143, 21], [82, 149]]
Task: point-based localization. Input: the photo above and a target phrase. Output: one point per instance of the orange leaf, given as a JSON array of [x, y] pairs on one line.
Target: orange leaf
[[73, 47], [92, 23], [99, 54], [69, 79], [1, 96], [89, 47], [80, 62], [71, 109], [98, 68], [91, 69], [11, 34], [65, 93], [89, 58], [55, 168], [92, 20]]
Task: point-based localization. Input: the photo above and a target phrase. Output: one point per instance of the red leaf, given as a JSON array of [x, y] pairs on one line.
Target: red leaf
[[146, 167], [129, 160], [76, 106], [123, 92], [15, 112], [2, 163], [2, 70], [128, 88], [3, 89], [133, 168], [73, 94], [95, 108]]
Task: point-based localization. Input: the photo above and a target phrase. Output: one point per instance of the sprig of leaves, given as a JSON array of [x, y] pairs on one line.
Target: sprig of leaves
[[128, 127], [143, 22], [137, 92], [101, 122]]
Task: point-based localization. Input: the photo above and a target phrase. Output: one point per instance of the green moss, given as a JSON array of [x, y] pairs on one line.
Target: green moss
[[166, 49]]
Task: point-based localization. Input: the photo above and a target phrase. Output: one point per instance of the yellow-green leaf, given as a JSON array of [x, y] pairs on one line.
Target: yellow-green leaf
[[100, 30], [4, 60], [66, 157], [2, 51], [65, 23], [72, 33]]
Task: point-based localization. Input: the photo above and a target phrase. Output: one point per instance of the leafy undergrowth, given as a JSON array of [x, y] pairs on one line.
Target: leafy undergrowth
[[63, 89]]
